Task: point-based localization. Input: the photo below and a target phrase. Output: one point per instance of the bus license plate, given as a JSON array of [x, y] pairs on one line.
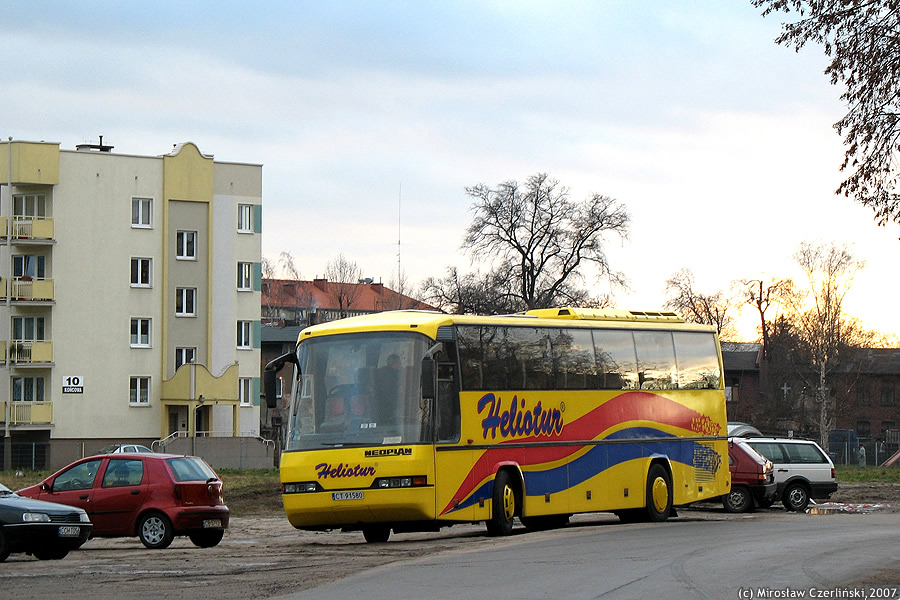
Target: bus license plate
[[212, 523], [69, 531], [346, 496]]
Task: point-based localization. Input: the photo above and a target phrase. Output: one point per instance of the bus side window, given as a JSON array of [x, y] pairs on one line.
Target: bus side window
[[447, 414]]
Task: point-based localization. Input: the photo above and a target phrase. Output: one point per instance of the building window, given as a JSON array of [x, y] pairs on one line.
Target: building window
[[887, 393], [185, 302], [887, 426], [30, 329], [140, 212], [244, 276], [28, 389], [245, 386], [186, 242], [29, 265], [29, 205], [140, 272], [245, 218], [184, 356], [243, 335], [863, 429], [140, 333], [139, 391]]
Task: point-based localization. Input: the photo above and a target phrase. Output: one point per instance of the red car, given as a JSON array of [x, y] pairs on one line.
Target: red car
[[752, 478], [152, 496]]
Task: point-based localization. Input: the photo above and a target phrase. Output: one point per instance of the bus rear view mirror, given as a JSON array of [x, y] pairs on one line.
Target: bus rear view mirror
[[429, 379], [270, 377]]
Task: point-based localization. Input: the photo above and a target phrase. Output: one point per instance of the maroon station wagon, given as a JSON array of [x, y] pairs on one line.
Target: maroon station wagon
[[752, 478], [152, 496]]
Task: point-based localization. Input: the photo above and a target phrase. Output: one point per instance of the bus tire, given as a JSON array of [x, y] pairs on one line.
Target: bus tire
[[376, 534], [503, 506], [659, 493]]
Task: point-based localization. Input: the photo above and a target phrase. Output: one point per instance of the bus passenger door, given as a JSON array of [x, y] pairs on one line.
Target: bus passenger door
[[453, 462]]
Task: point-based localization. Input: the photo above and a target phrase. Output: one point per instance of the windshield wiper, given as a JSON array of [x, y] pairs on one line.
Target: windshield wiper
[[339, 444]]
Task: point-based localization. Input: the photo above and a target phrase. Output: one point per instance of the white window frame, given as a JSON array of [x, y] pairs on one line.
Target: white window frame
[[245, 277], [245, 390], [30, 265], [29, 205], [139, 390], [245, 218], [144, 330], [38, 389], [141, 213], [186, 245], [185, 355], [37, 326], [185, 302], [137, 280], [244, 335]]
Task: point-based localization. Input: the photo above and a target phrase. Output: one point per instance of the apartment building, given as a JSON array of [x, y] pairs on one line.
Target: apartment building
[[129, 298]]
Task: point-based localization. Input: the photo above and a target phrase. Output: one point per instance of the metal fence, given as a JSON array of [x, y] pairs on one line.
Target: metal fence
[[30, 456]]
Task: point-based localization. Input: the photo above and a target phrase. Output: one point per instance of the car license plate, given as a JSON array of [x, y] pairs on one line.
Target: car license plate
[[69, 531], [347, 496], [212, 523]]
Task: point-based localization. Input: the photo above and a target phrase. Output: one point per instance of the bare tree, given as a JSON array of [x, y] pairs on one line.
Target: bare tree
[[821, 322], [268, 268], [861, 38], [288, 270], [540, 240], [472, 293], [696, 307], [763, 296], [344, 277]]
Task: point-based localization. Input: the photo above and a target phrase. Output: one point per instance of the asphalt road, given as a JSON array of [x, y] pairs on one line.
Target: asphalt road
[[780, 555]]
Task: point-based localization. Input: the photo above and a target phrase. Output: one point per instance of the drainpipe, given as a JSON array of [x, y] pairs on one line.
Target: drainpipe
[[7, 439]]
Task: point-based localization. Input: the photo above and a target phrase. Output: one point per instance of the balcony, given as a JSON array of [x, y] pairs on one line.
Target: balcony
[[29, 229], [28, 413], [27, 289], [28, 352]]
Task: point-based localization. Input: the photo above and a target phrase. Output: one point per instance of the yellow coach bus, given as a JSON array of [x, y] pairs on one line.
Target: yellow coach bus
[[411, 421]]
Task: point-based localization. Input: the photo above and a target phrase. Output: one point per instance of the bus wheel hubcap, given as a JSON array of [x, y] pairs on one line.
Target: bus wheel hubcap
[[509, 503], [660, 494]]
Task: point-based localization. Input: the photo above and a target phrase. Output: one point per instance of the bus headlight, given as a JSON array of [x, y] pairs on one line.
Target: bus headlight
[[299, 488]]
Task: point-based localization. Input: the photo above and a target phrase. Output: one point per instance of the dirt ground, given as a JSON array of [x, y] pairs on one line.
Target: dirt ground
[[263, 556]]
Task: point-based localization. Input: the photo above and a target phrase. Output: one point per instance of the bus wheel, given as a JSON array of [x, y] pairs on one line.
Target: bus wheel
[[503, 506], [376, 534], [659, 493]]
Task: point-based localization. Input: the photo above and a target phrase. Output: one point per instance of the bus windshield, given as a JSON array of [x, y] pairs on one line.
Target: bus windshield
[[359, 389]]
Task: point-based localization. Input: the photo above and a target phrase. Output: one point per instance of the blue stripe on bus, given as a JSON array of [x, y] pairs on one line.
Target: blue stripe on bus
[[600, 458]]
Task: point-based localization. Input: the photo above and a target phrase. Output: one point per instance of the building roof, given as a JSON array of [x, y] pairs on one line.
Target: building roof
[[881, 361], [286, 335], [324, 294], [740, 356]]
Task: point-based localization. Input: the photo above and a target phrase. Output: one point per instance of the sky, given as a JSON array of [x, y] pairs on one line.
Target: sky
[[371, 118]]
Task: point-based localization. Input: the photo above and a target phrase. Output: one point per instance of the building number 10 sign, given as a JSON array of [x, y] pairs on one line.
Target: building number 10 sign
[[73, 384]]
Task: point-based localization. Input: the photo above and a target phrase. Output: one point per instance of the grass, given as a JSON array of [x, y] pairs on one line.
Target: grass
[[258, 491], [851, 474], [247, 491]]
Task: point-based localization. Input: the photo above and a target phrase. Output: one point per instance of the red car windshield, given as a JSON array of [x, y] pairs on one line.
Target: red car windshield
[[190, 468]]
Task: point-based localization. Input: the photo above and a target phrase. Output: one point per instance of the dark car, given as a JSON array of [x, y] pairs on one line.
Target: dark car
[[752, 478], [152, 496], [46, 530]]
